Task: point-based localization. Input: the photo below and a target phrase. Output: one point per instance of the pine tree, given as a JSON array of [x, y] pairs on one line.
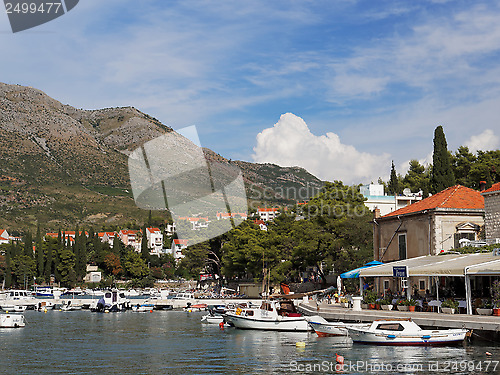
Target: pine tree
[[442, 174], [8, 267], [393, 186]]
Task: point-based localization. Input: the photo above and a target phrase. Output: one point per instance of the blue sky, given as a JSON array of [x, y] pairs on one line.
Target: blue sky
[[338, 87]]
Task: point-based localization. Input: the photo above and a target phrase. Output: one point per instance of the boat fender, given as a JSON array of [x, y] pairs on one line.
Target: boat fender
[[339, 359], [426, 337], [221, 325], [238, 311], [300, 344], [391, 336]]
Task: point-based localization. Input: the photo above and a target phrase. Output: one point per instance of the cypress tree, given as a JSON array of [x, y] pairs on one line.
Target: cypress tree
[[442, 174], [8, 269], [144, 245], [39, 252], [28, 245], [49, 261], [393, 187]]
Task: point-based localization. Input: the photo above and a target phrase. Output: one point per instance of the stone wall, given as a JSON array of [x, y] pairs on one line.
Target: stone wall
[[492, 216]]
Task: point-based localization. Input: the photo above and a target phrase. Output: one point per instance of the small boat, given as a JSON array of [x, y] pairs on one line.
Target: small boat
[[196, 307], [273, 315], [403, 332], [212, 318], [145, 307], [69, 306], [12, 321], [324, 328], [15, 308]]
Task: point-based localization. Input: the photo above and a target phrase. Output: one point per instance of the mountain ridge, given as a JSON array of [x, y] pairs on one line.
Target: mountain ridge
[[62, 165]]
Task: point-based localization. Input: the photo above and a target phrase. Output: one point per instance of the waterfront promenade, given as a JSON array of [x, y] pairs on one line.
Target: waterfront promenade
[[484, 326]]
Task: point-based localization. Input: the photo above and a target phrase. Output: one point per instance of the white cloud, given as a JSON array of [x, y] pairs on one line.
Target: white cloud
[[487, 140], [290, 143]]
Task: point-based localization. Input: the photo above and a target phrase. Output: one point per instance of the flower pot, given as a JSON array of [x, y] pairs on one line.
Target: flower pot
[[484, 311], [371, 306], [386, 307], [344, 304], [403, 308], [448, 310], [496, 312], [411, 308]]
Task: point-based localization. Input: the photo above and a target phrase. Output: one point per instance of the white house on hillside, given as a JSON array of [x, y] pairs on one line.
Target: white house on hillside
[[268, 214], [155, 240], [177, 247], [4, 236]]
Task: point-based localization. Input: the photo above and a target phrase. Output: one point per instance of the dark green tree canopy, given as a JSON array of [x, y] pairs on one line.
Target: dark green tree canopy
[[442, 174]]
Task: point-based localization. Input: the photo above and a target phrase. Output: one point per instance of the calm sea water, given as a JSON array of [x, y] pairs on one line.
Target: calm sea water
[[174, 342]]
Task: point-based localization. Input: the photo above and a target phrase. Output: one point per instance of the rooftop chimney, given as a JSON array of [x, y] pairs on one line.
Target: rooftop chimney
[[482, 185], [376, 213]]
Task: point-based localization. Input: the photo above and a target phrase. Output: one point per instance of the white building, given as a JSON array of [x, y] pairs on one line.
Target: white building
[[268, 214], [4, 236], [177, 247], [107, 237], [170, 229], [155, 240], [93, 275], [196, 222], [376, 198], [131, 238]]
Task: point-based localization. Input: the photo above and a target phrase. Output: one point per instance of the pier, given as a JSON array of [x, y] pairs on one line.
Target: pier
[[486, 327]]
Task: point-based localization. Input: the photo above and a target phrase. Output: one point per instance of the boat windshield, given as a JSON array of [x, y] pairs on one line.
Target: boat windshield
[[391, 327]]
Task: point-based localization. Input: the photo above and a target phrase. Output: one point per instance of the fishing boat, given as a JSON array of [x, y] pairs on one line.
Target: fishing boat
[[12, 321], [324, 328], [275, 315], [403, 332]]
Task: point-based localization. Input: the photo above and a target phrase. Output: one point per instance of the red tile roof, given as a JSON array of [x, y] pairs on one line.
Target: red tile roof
[[180, 242], [494, 188], [454, 197], [268, 209]]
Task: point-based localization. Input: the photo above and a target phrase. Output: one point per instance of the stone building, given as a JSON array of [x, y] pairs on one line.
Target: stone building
[[430, 226], [492, 213]]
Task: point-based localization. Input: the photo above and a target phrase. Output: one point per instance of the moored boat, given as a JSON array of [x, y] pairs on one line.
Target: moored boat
[[12, 321], [403, 332], [274, 315], [145, 307], [324, 328]]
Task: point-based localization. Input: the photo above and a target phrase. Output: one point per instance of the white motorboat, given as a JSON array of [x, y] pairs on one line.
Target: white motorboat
[[111, 301], [145, 307], [403, 332], [324, 328], [212, 318], [12, 321], [275, 315], [70, 306], [16, 299]]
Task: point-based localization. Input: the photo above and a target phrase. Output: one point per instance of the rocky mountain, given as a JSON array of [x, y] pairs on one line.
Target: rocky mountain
[[61, 165]]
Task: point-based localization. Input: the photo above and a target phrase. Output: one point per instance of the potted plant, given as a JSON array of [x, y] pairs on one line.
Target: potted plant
[[485, 308], [370, 298], [495, 295], [402, 305], [386, 304], [411, 304], [449, 306]]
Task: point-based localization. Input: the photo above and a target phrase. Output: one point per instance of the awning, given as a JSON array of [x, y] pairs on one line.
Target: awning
[[441, 265], [385, 270], [353, 274], [488, 268], [453, 267]]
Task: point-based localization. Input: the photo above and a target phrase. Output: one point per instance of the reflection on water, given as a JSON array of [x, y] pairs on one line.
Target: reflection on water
[[173, 342]]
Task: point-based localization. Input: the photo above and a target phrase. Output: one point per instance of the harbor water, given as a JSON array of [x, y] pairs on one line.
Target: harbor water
[[176, 342]]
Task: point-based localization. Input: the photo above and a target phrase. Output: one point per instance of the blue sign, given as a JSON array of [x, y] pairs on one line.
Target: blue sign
[[400, 271]]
